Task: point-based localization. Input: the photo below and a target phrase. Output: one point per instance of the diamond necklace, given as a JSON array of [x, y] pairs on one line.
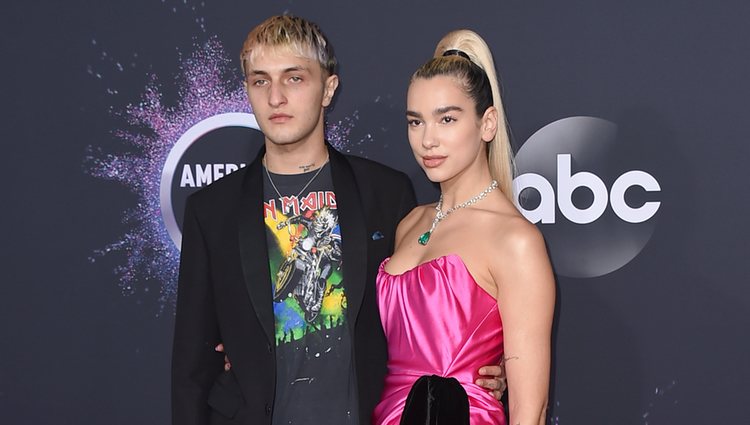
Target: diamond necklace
[[440, 215], [265, 166]]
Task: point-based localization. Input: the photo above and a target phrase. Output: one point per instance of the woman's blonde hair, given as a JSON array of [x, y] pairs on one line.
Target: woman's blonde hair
[[464, 55]]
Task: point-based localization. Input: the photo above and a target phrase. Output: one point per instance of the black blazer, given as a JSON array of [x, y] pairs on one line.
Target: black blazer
[[224, 290]]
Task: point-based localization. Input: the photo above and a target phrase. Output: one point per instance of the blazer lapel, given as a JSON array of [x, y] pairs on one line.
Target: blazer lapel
[[353, 233], [253, 246]]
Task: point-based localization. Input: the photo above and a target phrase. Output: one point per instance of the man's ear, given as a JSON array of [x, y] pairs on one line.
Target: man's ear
[[489, 124], [329, 89]]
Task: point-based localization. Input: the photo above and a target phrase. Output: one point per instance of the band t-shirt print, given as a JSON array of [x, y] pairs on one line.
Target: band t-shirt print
[[315, 379]]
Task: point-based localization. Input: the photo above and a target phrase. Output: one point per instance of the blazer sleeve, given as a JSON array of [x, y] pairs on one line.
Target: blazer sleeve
[[195, 364]]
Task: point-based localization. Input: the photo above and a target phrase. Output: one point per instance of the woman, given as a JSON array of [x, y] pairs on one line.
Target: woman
[[469, 281]]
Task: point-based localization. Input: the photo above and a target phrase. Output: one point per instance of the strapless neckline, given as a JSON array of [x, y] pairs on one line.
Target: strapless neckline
[[442, 258]]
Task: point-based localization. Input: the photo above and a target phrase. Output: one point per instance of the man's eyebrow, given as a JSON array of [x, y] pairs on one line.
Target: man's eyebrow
[[284, 71], [296, 69]]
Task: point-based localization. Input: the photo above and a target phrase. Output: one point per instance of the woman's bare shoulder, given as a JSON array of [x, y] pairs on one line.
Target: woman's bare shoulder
[[515, 234], [504, 233], [518, 254]]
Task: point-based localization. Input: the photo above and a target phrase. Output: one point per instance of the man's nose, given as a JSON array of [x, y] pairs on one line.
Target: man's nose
[[276, 96]]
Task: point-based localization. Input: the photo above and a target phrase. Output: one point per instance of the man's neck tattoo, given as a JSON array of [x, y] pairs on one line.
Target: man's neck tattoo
[[308, 167]]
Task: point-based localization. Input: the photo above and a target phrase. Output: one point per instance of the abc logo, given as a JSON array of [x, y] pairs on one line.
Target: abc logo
[[596, 216], [567, 183]]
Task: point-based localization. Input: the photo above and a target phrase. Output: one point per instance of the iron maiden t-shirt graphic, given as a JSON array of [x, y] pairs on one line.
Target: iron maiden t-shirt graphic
[[302, 281], [305, 257], [315, 382]]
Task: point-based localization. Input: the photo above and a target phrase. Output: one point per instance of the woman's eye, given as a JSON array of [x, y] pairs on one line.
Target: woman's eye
[[413, 122], [447, 119]]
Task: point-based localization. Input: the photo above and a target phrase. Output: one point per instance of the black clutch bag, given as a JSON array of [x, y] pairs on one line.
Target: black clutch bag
[[434, 400]]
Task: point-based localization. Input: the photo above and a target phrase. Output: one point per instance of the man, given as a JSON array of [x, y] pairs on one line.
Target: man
[[279, 259]]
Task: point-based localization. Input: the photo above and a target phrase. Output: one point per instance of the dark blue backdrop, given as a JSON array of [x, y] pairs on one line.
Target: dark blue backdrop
[[85, 303]]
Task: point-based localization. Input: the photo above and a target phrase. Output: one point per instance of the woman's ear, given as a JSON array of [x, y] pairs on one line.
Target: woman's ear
[[489, 124]]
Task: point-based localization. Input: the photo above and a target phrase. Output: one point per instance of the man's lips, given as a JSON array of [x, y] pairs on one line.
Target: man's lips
[[432, 161], [280, 118]]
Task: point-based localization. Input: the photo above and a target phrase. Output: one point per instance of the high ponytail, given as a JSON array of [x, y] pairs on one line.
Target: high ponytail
[[481, 84]]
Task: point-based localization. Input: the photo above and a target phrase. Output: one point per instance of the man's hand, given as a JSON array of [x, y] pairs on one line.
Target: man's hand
[[227, 365], [493, 380]]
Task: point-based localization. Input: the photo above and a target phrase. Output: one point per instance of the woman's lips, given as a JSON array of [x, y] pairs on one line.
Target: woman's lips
[[432, 161]]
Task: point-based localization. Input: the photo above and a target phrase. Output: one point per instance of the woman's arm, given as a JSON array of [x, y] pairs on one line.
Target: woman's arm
[[526, 299]]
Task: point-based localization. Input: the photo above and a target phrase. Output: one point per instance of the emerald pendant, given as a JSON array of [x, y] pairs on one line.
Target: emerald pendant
[[440, 215], [425, 237]]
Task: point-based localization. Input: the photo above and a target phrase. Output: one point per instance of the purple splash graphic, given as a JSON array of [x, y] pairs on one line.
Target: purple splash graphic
[[208, 86], [154, 129], [338, 133]]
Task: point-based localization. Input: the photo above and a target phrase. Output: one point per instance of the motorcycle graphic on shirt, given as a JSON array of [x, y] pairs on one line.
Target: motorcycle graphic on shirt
[[316, 253]]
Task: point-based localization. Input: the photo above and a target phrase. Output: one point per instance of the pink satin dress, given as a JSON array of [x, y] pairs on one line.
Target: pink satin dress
[[438, 321]]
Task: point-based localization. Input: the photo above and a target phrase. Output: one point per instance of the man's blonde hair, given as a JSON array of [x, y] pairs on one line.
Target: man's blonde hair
[[297, 35]]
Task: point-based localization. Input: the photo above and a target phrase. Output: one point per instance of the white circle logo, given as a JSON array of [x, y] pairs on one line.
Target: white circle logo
[[193, 176], [564, 171]]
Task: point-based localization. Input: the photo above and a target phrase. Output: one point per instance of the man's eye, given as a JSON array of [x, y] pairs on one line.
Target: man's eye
[[295, 79], [259, 83]]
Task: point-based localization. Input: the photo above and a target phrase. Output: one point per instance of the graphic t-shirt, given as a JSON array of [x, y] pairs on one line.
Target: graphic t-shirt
[[315, 380]]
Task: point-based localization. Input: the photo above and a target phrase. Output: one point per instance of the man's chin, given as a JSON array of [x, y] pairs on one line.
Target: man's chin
[[288, 141], [282, 140]]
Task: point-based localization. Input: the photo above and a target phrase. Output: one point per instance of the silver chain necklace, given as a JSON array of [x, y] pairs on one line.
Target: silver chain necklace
[[265, 166], [440, 215]]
